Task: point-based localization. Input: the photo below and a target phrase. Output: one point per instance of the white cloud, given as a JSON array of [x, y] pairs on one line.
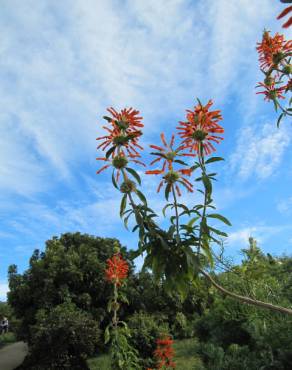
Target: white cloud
[[62, 63], [259, 150], [3, 290], [285, 206], [239, 238]]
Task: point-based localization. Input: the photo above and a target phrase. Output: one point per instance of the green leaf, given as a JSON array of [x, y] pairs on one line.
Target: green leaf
[[135, 228], [180, 162], [159, 154], [206, 249], [165, 208], [185, 208], [220, 217], [207, 184], [214, 159], [279, 119], [110, 151], [141, 196], [107, 335], [192, 221], [126, 219], [218, 232], [167, 191], [197, 165], [123, 204], [172, 219], [134, 174], [107, 118], [114, 181]]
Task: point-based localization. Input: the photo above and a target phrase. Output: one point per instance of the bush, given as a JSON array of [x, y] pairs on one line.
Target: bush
[[182, 327], [144, 330], [62, 339]]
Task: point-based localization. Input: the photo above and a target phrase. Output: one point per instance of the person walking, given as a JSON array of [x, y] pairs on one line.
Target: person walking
[[5, 325]]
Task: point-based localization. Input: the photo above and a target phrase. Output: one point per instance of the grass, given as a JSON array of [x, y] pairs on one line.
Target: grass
[[101, 362], [186, 357], [7, 338]]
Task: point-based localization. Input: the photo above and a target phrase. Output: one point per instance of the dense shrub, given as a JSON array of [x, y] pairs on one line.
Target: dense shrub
[[144, 330], [62, 338]]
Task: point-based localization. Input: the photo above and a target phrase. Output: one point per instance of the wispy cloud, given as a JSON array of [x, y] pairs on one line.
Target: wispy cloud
[[285, 206], [259, 151], [261, 233], [3, 290]]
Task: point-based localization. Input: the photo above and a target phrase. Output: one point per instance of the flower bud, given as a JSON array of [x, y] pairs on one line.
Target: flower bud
[[128, 186], [119, 162], [171, 177], [287, 69], [199, 135], [278, 57]]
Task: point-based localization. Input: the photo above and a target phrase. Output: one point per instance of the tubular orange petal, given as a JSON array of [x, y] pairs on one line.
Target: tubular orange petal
[[154, 172], [102, 168]]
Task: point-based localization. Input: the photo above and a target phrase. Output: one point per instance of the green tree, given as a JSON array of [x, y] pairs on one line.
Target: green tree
[[71, 269]]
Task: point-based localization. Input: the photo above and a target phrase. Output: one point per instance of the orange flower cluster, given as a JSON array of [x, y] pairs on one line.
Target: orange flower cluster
[[274, 57], [169, 155], [283, 14], [271, 92], [117, 269], [164, 353], [199, 129], [272, 50], [124, 132]]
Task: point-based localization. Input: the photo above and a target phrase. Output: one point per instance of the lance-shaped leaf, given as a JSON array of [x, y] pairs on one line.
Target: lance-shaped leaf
[[134, 174], [220, 217], [114, 181], [123, 205], [214, 159], [110, 151], [141, 196]]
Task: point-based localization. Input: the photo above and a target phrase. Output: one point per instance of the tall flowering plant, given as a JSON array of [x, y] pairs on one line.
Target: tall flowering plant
[[123, 355], [275, 62], [180, 253], [164, 353]]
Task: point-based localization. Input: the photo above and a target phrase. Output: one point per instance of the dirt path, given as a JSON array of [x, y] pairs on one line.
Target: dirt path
[[12, 355]]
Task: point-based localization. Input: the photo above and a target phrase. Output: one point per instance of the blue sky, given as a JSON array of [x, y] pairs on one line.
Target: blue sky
[[63, 62]]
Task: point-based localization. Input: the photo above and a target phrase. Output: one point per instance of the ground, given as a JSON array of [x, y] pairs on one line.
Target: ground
[[12, 355]]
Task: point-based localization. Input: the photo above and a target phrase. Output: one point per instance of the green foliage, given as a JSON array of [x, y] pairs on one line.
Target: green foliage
[[62, 337], [70, 269], [182, 327], [123, 355], [7, 338], [242, 336], [144, 330]]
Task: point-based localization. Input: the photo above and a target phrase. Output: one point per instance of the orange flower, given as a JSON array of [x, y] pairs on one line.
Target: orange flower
[[117, 269], [123, 132], [283, 14], [164, 353], [168, 155], [272, 50], [199, 129], [271, 92]]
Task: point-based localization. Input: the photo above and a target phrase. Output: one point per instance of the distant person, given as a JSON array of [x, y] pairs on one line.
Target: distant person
[[5, 325]]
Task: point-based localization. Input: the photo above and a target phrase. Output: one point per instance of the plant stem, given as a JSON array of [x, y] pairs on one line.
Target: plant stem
[[203, 168], [176, 214], [115, 316]]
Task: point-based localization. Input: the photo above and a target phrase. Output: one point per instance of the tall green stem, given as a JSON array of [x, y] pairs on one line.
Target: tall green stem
[[176, 214], [203, 168], [115, 316]]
